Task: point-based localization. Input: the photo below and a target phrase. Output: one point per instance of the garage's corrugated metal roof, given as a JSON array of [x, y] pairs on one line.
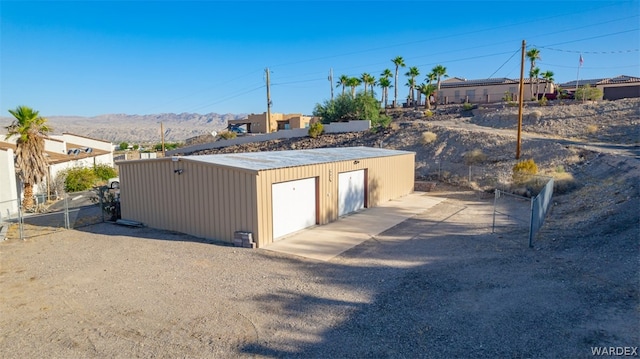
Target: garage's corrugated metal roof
[[269, 160]]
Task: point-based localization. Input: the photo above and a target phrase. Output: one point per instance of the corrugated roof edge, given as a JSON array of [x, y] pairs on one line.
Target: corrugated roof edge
[[262, 161]]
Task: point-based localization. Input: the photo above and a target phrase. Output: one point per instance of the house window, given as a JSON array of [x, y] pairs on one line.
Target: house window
[[470, 95], [456, 95]]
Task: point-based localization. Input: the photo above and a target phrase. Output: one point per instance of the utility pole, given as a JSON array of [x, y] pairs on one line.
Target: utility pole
[[331, 82], [520, 100], [162, 134], [268, 103]]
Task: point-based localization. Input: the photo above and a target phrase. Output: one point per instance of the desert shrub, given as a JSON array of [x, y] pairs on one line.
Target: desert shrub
[[394, 126], [467, 106], [535, 115], [123, 146], [474, 157], [588, 93], [316, 129], [79, 179], [508, 97], [563, 182], [428, 113], [523, 170], [428, 137], [591, 129], [228, 135], [543, 101], [104, 172]]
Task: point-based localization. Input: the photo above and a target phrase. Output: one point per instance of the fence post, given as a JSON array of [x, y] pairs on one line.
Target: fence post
[[20, 220], [66, 211], [531, 223], [495, 200]]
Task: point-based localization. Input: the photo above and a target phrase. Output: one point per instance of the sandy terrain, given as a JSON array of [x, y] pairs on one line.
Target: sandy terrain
[[438, 285]]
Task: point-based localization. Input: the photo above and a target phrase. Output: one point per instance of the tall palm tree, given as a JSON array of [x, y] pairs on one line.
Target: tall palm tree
[[533, 77], [353, 82], [533, 55], [31, 162], [439, 72], [548, 77], [342, 81], [399, 62], [412, 74], [386, 73], [385, 83], [367, 79], [411, 83]]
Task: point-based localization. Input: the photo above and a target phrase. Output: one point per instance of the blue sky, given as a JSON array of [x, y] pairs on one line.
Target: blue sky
[[88, 58]]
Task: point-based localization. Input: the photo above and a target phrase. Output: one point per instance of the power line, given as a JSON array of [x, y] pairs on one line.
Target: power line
[[592, 37], [501, 66], [590, 52]]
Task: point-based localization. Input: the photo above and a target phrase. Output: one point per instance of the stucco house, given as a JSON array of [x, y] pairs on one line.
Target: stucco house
[[613, 88], [63, 151], [459, 90], [257, 123]]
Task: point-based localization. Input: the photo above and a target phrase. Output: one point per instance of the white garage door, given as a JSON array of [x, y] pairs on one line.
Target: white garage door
[[350, 192], [294, 206]]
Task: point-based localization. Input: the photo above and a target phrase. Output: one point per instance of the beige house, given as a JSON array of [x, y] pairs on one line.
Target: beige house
[[614, 88], [459, 90], [268, 194], [257, 123]]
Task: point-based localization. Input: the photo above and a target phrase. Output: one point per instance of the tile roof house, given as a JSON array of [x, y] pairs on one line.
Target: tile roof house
[[459, 90], [613, 88]]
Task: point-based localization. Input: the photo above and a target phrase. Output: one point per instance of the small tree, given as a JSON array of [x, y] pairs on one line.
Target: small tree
[[123, 146], [316, 129]]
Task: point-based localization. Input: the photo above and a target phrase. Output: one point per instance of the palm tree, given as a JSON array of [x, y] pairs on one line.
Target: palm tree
[[342, 81], [385, 83], [427, 90], [367, 79], [411, 83], [399, 62], [31, 162], [412, 74], [353, 82], [533, 74], [548, 77], [439, 72], [533, 55], [386, 73]]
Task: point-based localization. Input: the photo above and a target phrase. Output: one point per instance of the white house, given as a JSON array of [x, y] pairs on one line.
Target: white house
[[63, 151]]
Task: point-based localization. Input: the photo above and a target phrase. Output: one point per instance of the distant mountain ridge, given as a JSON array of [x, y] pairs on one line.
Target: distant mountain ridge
[[138, 128]]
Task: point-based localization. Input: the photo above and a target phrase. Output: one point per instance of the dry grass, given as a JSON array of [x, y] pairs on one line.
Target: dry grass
[[428, 137], [591, 129], [474, 157]]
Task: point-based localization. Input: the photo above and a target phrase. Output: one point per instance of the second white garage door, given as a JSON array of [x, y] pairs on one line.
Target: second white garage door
[[294, 206], [350, 192]]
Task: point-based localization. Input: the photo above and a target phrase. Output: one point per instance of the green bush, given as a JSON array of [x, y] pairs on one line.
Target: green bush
[[523, 170], [104, 172], [316, 129], [467, 106], [79, 179], [123, 146]]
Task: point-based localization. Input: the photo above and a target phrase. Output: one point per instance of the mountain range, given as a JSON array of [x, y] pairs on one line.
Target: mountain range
[[137, 129]]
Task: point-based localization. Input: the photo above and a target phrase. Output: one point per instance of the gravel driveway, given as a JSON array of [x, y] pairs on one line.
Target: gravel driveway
[[438, 285]]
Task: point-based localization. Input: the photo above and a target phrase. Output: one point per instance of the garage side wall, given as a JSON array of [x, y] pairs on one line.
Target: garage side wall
[[206, 201], [386, 178]]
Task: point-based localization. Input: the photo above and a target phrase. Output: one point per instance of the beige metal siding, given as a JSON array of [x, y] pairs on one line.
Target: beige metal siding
[[204, 201], [387, 178], [212, 201]]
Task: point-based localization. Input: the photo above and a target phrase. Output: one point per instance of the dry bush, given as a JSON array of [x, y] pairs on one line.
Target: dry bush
[[523, 171], [535, 115], [228, 135], [394, 126], [428, 137], [428, 113], [591, 129], [474, 157], [563, 182]]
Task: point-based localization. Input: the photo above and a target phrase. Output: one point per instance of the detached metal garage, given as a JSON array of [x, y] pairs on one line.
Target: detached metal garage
[[269, 194]]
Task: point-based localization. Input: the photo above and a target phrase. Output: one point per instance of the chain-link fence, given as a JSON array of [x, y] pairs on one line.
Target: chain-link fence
[[52, 214]]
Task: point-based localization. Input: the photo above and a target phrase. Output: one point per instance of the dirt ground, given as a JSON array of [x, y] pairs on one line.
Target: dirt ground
[[438, 285]]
